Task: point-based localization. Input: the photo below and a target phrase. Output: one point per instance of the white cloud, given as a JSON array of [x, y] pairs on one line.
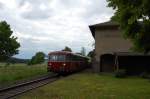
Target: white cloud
[[26, 7], [48, 25]]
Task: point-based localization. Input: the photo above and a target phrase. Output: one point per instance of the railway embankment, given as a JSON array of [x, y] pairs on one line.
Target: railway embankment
[[17, 89]]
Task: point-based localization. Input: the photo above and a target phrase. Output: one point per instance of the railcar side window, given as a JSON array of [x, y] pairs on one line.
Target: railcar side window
[[52, 57], [61, 58], [76, 58], [57, 58]]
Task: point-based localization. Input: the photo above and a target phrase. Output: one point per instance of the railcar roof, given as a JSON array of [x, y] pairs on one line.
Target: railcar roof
[[60, 52], [66, 53]]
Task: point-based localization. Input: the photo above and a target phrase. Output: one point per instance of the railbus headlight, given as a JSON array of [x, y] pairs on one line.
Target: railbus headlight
[[64, 64], [50, 64]]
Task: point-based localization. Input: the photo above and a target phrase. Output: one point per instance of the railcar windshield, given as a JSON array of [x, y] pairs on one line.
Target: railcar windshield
[[56, 57]]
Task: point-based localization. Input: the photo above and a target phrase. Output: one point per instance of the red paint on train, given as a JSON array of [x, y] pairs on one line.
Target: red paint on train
[[66, 62]]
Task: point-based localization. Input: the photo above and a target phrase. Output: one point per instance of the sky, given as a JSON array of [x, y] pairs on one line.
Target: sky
[[50, 25]]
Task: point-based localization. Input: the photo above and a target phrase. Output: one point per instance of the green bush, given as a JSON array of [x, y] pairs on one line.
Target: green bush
[[121, 73], [37, 59], [145, 75]]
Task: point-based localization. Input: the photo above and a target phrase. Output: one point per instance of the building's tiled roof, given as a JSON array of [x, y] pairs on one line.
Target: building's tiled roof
[[105, 25], [108, 23]]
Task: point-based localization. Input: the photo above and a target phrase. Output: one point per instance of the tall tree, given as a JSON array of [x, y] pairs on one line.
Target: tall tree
[[91, 54], [67, 49], [134, 19], [83, 51], [8, 43]]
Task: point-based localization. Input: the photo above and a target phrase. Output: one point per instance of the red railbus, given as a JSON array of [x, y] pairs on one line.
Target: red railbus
[[66, 62]]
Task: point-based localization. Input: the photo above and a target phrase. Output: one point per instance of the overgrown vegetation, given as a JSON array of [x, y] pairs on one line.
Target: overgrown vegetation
[[134, 19], [145, 75], [14, 72], [93, 86]]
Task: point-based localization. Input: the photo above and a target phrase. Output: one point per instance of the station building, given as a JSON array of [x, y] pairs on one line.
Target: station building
[[108, 39]]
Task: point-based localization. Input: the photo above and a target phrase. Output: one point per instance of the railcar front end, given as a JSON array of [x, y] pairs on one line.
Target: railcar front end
[[57, 63]]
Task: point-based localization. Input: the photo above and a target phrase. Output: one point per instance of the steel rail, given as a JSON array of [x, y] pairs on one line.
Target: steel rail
[[12, 91]]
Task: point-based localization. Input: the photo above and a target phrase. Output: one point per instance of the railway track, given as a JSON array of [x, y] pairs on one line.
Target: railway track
[[12, 91]]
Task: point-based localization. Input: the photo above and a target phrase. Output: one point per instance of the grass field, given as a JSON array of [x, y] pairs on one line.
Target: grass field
[[93, 86], [14, 72]]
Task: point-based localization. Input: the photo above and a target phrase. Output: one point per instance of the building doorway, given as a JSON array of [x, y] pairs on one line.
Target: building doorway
[[107, 62]]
